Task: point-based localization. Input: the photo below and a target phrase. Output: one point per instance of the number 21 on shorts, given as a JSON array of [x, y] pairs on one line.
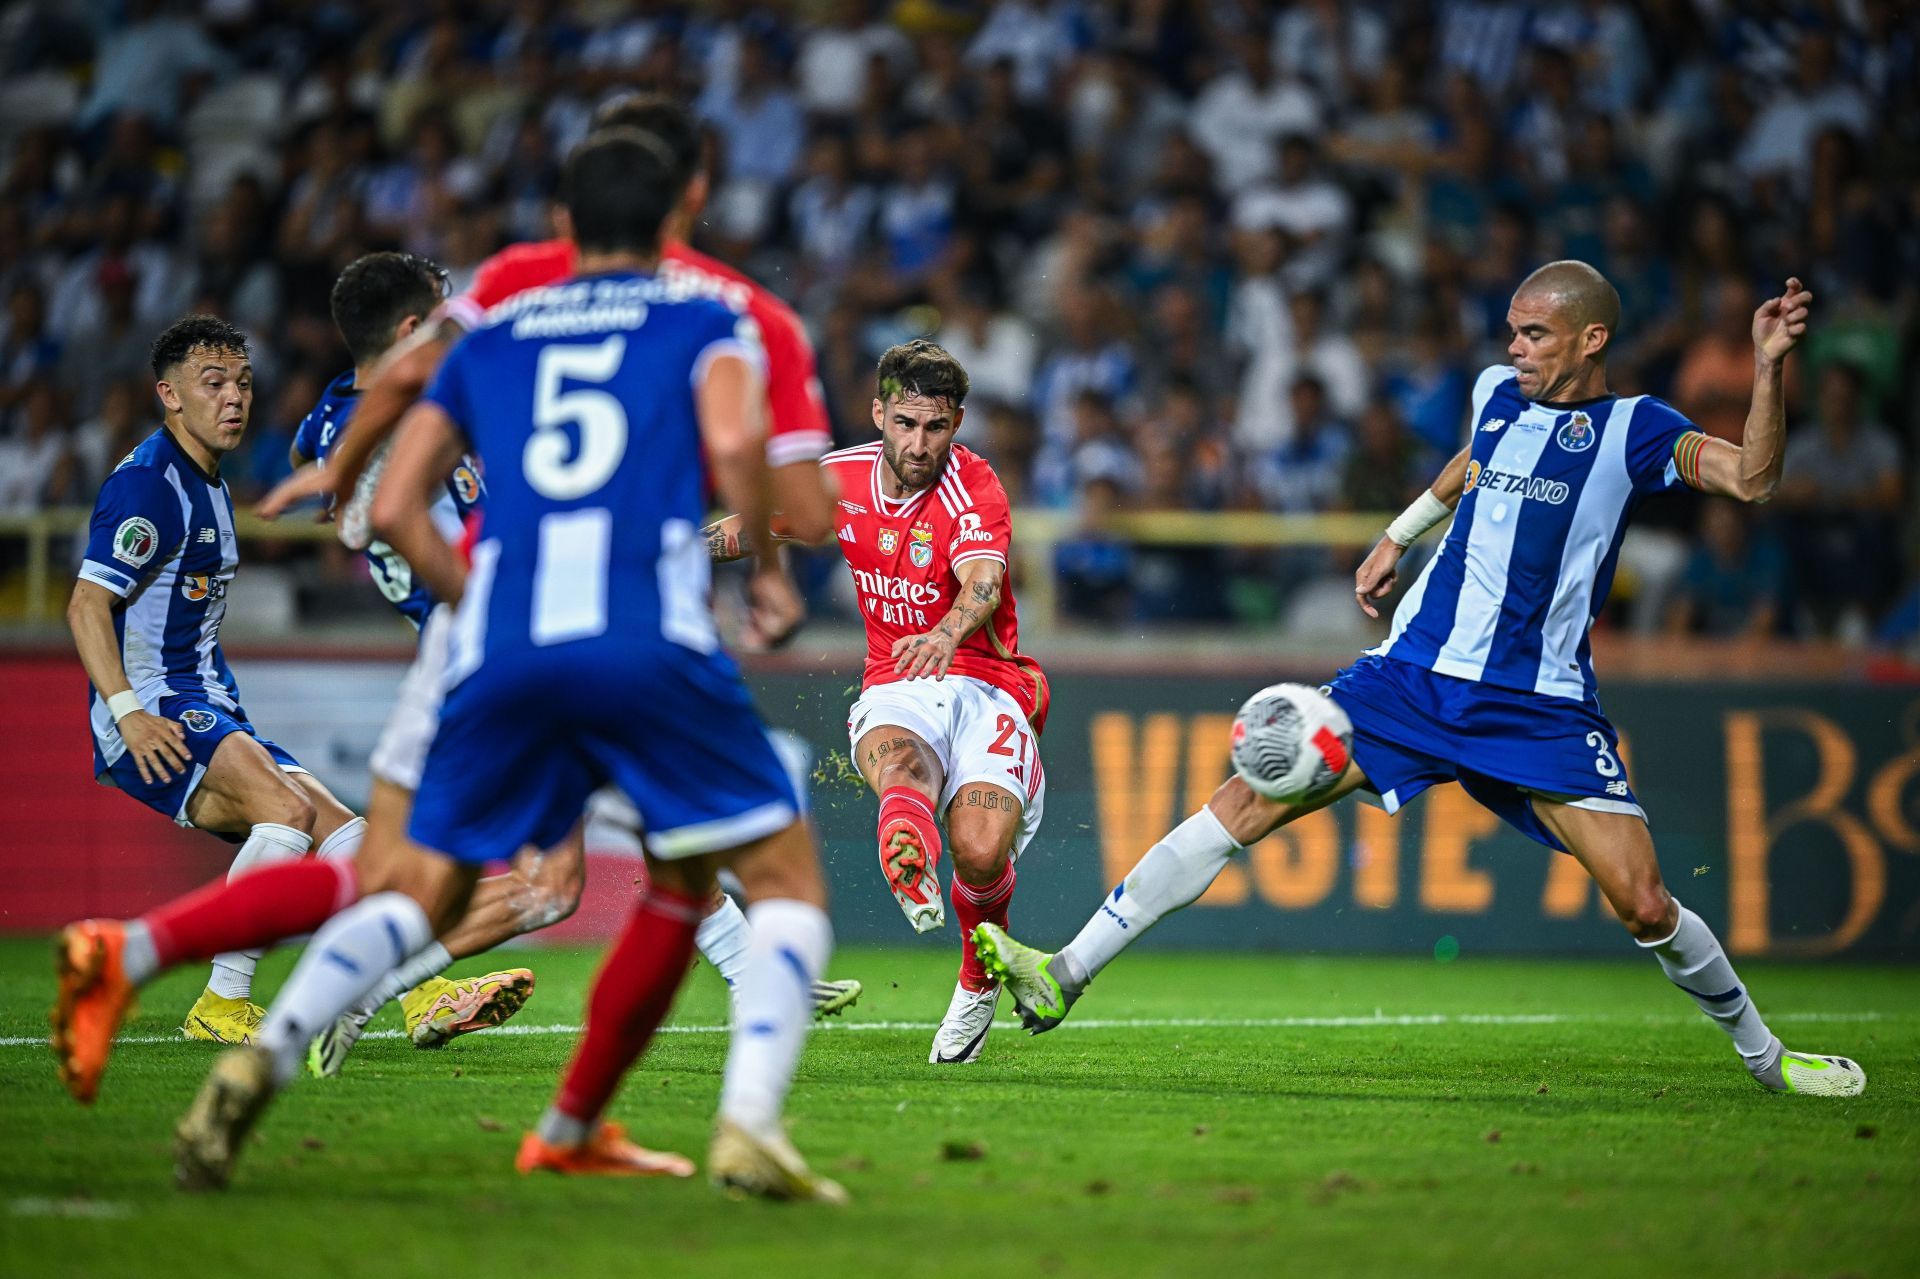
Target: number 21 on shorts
[[1010, 731]]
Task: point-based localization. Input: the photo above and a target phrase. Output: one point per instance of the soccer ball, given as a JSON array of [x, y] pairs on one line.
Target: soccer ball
[[1291, 742]]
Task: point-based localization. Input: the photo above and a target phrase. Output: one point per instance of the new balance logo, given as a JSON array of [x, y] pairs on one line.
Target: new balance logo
[[1617, 788], [208, 535], [1494, 425]]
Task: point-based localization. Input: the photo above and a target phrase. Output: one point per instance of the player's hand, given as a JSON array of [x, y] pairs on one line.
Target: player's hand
[[1781, 322], [310, 481], [1377, 574], [774, 608], [723, 540], [158, 746], [929, 654]]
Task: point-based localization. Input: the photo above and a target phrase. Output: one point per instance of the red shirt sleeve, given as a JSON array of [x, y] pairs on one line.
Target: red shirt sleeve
[[984, 530], [798, 431], [513, 270]]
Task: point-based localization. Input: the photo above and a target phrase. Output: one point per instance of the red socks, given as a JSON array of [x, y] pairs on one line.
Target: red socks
[[973, 906], [252, 911], [630, 998], [903, 806]]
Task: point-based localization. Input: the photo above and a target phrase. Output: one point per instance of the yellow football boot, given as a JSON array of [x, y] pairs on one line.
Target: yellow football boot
[[219, 1020], [438, 1010]]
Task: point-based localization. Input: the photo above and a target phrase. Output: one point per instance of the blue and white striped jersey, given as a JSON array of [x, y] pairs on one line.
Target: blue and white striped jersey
[[1510, 595], [579, 400], [162, 540], [320, 430]]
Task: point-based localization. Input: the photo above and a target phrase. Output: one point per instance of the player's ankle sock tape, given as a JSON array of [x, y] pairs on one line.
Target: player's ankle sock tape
[[1695, 962], [792, 941], [345, 959], [1173, 874]]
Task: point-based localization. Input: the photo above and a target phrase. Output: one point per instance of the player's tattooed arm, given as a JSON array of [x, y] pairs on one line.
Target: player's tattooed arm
[[932, 653], [723, 540]]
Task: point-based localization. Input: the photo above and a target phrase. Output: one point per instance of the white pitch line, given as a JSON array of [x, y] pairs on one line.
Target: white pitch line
[[1142, 1023]]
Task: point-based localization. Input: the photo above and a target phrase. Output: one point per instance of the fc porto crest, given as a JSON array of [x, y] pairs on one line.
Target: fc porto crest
[[889, 540], [1576, 434], [921, 549], [198, 720]]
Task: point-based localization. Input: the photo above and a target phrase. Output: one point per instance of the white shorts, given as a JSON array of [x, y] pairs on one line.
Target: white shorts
[[977, 732], [402, 750]]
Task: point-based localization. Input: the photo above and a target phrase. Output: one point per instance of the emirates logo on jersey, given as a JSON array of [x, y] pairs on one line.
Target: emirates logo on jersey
[[921, 551]]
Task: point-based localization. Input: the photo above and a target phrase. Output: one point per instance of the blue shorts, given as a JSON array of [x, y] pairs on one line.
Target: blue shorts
[[1413, 728], [523, 741], [207, 726]]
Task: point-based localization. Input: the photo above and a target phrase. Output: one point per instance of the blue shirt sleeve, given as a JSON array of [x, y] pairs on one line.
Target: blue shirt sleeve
[[306, 437], [1656, 427], [451, 387], [137, 528]]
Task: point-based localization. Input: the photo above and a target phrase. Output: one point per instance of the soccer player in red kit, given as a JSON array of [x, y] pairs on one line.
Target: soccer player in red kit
[[950, 712]]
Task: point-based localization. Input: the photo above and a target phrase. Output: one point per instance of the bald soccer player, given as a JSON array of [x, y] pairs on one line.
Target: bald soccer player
[[1486, 678]]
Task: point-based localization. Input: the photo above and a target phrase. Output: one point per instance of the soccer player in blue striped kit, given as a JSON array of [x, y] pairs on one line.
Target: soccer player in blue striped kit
[[1486, 677]]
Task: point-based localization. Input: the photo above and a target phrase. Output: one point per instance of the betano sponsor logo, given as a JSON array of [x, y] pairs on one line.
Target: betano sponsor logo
[[1534, 488]]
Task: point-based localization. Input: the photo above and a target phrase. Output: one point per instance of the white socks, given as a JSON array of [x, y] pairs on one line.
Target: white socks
[[1174, 872], [1695, 963], [345, 840], [723, 938], [269, 842], [342, 963], [430, 960], [774, 1007]]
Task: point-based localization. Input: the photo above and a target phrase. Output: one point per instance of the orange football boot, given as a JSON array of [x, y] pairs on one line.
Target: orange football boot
[[607, 1153], [95, 996]]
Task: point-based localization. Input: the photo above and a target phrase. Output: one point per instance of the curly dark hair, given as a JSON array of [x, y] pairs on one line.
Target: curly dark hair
[[921, 368], [190, 333]]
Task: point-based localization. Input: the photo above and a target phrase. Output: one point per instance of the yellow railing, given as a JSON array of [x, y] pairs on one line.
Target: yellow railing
[[1037, 534]]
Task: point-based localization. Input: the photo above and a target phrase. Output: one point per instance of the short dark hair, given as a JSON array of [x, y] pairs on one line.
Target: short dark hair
[[665, 118], [189, 333], [921, 368], [377, 292], [619, 187]]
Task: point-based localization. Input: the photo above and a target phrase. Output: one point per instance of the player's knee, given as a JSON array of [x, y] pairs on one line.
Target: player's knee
[[1649, 912], [289, 806]]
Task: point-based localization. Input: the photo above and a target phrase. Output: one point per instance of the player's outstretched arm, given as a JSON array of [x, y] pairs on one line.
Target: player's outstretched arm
[[1378, 572], [158, 746], [427, 448], [1751, 472], [731, 401], [932, 653]]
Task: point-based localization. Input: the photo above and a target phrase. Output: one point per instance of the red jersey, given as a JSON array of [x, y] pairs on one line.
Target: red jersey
[[797, 429], [905, 554]]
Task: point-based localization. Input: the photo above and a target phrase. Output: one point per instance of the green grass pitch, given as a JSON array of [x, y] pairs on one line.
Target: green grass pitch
[[1228, 1115]]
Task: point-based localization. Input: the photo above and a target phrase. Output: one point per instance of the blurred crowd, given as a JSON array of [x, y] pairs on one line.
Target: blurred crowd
[[1197, 256]]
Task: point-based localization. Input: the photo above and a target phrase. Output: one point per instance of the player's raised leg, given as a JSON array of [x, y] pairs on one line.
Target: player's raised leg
[[1172, 875], [1617, 850], [984, 825], [904, 771]]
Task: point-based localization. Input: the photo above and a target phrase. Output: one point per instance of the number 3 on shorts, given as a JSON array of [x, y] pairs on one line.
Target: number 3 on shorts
[[1606, 765], [1010, 729]]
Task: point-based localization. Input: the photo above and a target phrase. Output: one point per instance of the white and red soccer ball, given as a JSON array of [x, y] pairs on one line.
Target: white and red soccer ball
[[1291, 742]]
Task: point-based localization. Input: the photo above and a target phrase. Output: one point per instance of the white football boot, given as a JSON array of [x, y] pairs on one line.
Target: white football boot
[[963, 1031]]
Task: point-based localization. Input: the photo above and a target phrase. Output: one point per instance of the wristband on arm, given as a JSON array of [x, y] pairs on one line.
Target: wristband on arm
[[123, 704], [1412, 524]]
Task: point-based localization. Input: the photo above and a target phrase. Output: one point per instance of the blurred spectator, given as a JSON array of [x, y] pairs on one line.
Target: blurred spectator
[[1308, 206], [145, 65], [1307, 474], [1241, 116], [1430, 384], [1336, 47], [1036, 38], [101, 441], [762, 133], [832, 214], [1714, 384], [36, 466], [1093, 566], [996, 349], [1779, 143], [1735, 581], [834, 56], [1842, 491], [1088, 358], [1387, 469], [28, 353]]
